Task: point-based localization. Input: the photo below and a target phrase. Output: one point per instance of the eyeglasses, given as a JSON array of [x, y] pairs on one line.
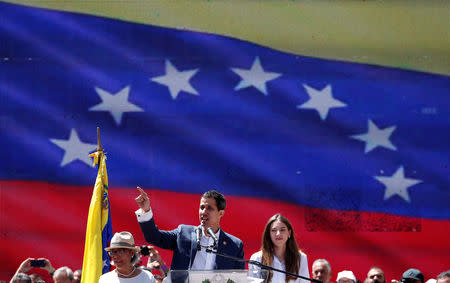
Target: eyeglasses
[[116, 252]]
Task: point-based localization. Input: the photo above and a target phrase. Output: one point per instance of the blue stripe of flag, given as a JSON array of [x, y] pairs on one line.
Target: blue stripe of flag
[[243, 137]]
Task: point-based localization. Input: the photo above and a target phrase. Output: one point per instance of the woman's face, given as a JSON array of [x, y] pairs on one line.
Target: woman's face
[[121, 257], [279, 233]]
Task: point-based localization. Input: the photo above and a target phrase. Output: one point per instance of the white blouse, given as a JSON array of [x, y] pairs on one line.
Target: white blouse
[[143, 277], [279, 277]]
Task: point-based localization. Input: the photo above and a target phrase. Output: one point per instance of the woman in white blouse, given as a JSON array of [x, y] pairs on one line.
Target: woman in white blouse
[[124, 254], [279, 249]]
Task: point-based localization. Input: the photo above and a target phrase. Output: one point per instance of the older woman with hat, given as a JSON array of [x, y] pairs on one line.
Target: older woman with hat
[[124, 255]]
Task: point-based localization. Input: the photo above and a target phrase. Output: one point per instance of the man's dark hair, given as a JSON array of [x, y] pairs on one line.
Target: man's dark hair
[[21, 277], [220, 199], [443, 275]]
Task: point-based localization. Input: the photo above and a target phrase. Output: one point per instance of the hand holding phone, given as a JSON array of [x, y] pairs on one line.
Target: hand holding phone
[[37, 263]]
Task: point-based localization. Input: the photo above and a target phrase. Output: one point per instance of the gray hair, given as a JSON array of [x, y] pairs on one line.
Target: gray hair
[[324, 261], [443, 275], [135, 259], [21, 277], [65, 269]]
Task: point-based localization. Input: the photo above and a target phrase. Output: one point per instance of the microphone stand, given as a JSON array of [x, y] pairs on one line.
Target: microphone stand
[[262, 266]]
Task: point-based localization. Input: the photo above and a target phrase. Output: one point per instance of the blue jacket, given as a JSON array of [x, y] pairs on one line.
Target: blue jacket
[[182, 241]]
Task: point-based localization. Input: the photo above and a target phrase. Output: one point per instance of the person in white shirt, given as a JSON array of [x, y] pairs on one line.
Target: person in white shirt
[[124, 255], [279, 249]]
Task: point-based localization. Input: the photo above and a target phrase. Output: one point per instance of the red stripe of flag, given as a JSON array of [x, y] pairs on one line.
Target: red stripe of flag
[[49, 220]]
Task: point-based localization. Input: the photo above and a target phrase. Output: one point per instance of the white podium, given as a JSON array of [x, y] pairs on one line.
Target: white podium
[[216, 276]]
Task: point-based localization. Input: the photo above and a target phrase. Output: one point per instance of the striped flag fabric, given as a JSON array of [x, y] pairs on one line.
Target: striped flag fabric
[[354, 152]]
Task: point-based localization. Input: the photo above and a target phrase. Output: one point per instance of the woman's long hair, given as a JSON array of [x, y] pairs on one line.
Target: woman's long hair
[[292, 256]]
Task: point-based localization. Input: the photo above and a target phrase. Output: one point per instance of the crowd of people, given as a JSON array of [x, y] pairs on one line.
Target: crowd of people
[[61, 275], [208, 247]]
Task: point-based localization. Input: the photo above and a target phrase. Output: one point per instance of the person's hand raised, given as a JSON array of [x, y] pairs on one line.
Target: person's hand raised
[[48, 265], [154, 255], [143, 201], [25, 266]]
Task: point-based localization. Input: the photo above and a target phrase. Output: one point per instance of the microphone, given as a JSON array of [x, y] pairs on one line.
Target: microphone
[[198, 232], [211, 233]]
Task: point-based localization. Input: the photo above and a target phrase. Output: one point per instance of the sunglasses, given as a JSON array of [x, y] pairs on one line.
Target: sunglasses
[[116, 252]]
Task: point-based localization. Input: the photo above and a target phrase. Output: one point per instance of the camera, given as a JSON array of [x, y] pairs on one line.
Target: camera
[[37, 263], [144, 250]]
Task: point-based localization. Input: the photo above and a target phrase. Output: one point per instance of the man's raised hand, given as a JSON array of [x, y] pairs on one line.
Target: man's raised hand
[[143, 201]]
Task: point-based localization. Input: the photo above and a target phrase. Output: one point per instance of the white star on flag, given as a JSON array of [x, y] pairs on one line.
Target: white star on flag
[[255, 76], [176, 80], [376, 137], [321, 101], [397, 184], [116, 104], [75, 149]]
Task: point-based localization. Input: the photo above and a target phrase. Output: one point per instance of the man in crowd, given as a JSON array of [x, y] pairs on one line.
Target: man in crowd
[[189, 242], [346, 276], [375, 275], [63, 275], [77, 276], [21, 278], [412, 275], [321, 270], [444, 277]]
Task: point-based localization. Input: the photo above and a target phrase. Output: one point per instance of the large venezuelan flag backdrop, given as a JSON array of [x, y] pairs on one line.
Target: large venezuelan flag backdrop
[[334, 113]]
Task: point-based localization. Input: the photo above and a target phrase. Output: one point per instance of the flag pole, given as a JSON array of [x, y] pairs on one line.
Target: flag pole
[[99, 227], [99, 147], [99, 144]]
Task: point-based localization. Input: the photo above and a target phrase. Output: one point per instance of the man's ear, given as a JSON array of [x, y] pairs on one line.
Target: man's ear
[[221, 212]]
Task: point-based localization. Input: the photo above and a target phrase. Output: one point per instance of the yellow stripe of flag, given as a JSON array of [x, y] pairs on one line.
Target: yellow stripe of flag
[[404, 34]]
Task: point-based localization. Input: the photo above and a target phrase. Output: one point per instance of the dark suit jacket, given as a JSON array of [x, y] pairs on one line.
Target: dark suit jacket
[[182, 241]]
